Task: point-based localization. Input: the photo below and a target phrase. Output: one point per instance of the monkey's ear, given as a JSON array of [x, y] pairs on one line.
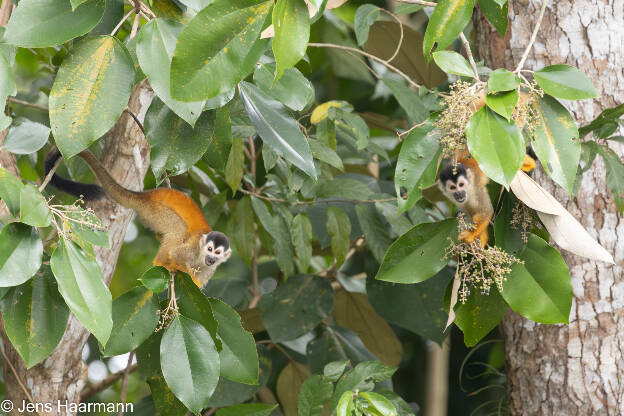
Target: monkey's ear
[[203, 240], [470, 175]]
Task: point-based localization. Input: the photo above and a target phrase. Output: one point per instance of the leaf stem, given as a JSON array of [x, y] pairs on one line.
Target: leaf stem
[[532, 40], [121, 22], [424, 3], [470, 57]]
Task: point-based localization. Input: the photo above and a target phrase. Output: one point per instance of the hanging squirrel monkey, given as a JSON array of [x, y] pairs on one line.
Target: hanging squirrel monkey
[[464, 184], [187, 243]]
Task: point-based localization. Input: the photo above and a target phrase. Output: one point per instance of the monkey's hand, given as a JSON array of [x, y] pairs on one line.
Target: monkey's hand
[[480, 231]]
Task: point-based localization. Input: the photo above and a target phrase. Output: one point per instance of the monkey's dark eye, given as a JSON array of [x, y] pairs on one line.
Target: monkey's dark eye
[[209, 248], [452, 187], [218, 252]]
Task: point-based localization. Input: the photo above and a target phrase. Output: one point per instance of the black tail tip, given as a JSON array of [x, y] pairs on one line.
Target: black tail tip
[[88, 192]]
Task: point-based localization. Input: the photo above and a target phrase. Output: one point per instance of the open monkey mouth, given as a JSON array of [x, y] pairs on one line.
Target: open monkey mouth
[[210, 261]]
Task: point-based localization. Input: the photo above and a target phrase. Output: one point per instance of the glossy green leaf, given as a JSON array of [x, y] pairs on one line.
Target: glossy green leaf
[[94, 233], [10, 191], [302, 240], [165, 401], [503, 103], [496, 144], [20, 254], [352, 124], [175, 146], [218, 48], [452, 62], [339, 228], [556, 141], [377, 237], [242, 228], [540, 289], [502, 80], [365, 16], [292, 89], [76, 3], [608, 116], [399, 304], [507, 236], [252, 409], [480, 314], [615, 175], [135, 316], [25, 137], [7, 85], [190, 362], [90, 92], [448, 19], [362, 378], [278, 229], [406, 8], [155, 44], [496, 12], [34, 207], [277, 128], [35, 317], [156, 279], [324, 153], [345, 405], [196, 5], [194, 305], [418, 254], [332, 371], [239, 356], [291, 22], [313, 394], [235, 164], [220, 144], [82, 286], [408, 100], [565, 81], [379, 403], [43, 23], [297, 306], [416, 167]]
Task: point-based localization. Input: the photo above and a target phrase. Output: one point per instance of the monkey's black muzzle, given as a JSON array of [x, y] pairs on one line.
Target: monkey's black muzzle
[[460, 196], [210, 260]]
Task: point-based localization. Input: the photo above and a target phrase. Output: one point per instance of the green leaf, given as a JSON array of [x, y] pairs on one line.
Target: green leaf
[[10, 191], [94, 233], [235, 164], [253, 409], [353, 124], [313, 394], [507, 236], [615, 175], [377, 237], [277, 227], [502, 80], [291, 21], [289, 385], [565, 81], [135, 316], [608, 116], [277, 128], [164, 400], [408, 100], [35, 317], [175, 146], [332, 371], [324, 153], [296, 307], [345, 404], [218, 48], [242, 228], [418, 254], [34, 207], [190, 362], [453, 63], [90, 92], [220, 144], [25, 137], [302, 235], [448, 19], [196, 5], [155, 44], [82, 286], [556, 142], [406, 8], [365, 16], [334, 344], [112, 15], [353, 311], [76, 3], [496, 12], [496, 144], [339, 227], [540, 289], [194, 305], [239, 356], [156, 279], [7, 84], [361, 378], [379, 403], [43, 23], [416, 167], [292, 89], [480, 314], [503, 103], [399, 304], [20, 254]]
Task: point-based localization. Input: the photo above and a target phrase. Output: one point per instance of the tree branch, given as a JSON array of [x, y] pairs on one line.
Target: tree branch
[[525, 55], [104, 384]]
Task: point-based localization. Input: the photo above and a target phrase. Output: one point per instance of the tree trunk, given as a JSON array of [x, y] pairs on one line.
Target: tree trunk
[[62, 375], [576, 369]]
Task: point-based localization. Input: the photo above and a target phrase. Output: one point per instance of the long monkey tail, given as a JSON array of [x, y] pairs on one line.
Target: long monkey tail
[[91, 192]]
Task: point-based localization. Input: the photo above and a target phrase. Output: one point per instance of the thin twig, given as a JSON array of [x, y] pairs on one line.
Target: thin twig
[[424, 3], [26, 103], [469, 53], [368, 55], [211, 412], [124, 383], [316, 201], [48, 177], [279, 348], [525, 55], [19, 381], [254, 271], [104, 384], [121, 22], [135, 24], [363, 62], [136, 119], [398, 48]]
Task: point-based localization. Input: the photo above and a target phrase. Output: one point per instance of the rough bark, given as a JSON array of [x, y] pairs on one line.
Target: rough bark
[[62, 375], [575, 369]]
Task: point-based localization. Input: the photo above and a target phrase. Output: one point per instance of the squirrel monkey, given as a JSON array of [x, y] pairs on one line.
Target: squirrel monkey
[[187, 243], [464, 184]]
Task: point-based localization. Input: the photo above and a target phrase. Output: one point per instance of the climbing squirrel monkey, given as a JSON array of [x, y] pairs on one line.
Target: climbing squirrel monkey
[[187, 243], [464, 184]]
